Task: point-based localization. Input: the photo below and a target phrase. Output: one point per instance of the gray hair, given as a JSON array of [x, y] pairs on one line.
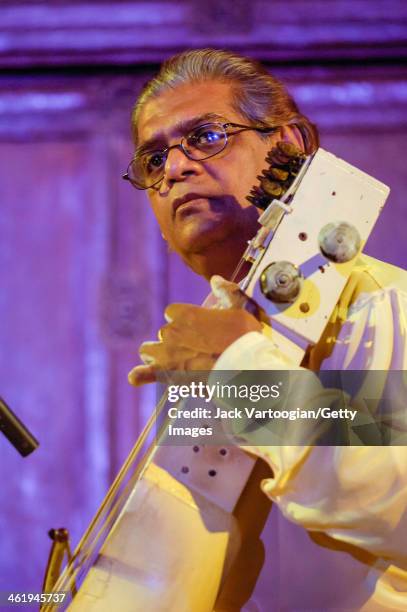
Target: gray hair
[[257, 95]]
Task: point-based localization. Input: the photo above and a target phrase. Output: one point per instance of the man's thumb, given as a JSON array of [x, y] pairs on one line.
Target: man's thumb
[[227, 293]]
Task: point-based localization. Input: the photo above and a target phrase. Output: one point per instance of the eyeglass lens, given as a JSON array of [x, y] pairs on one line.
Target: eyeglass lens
[[203, 142]]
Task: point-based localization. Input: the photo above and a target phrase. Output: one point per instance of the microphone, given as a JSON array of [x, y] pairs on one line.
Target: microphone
[[16, 431]]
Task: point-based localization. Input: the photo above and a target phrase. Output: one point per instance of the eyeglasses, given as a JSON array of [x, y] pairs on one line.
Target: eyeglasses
[[147, 168]]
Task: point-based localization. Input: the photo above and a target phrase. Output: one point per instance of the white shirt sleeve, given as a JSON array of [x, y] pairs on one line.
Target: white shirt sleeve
[[355, 494]]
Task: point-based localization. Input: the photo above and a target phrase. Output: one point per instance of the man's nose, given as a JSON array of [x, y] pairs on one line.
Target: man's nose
[[178, 166]]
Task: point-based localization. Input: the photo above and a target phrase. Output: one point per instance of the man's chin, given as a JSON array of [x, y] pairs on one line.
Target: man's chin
[[196, 233]]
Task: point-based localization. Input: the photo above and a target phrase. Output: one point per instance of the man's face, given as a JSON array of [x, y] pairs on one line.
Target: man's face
[[216, 213]]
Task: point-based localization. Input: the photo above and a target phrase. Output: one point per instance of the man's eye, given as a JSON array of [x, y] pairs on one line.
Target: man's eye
[[205, 137], [153, 161]]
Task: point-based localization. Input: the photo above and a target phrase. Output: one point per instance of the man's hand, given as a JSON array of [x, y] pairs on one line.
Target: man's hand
[[194, 336]]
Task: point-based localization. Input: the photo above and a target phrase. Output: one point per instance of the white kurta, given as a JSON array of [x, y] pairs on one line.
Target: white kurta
[[336, 538]]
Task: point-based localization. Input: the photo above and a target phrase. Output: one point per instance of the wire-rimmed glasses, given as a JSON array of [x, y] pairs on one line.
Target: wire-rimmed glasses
[[147, 167]]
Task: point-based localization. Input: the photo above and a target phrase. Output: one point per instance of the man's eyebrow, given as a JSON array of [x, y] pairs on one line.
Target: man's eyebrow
[[183, 127]]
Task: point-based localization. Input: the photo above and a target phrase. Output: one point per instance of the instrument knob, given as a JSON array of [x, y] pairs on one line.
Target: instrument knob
[[339, 241], [281, 282]]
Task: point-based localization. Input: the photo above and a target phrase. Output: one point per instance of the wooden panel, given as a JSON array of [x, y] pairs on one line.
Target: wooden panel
[[379, 155], [72, 32], [54, 365], [81, 288], [85, 276]]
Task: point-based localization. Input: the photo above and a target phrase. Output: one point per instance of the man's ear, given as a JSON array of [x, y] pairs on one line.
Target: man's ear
[[291, 133]]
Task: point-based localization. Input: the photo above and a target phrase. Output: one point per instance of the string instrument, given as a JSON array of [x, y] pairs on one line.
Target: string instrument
[[180, 528]]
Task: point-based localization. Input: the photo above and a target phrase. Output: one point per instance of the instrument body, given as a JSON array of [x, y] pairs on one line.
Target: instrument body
[[171, 544], [177, 536], [328, 191]]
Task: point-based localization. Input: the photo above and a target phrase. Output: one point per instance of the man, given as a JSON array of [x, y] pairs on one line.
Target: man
[[202, 129]]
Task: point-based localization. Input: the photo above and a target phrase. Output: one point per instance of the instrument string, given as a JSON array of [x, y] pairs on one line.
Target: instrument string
[[117, 506], [90, 540]]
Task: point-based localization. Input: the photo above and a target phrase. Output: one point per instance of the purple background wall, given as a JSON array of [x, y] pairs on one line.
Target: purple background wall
[[84, 273]]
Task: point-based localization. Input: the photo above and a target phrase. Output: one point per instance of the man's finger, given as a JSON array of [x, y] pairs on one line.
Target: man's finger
[[189, 316], [163, 354], [142, 375], [181, 312], [213, 331]]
